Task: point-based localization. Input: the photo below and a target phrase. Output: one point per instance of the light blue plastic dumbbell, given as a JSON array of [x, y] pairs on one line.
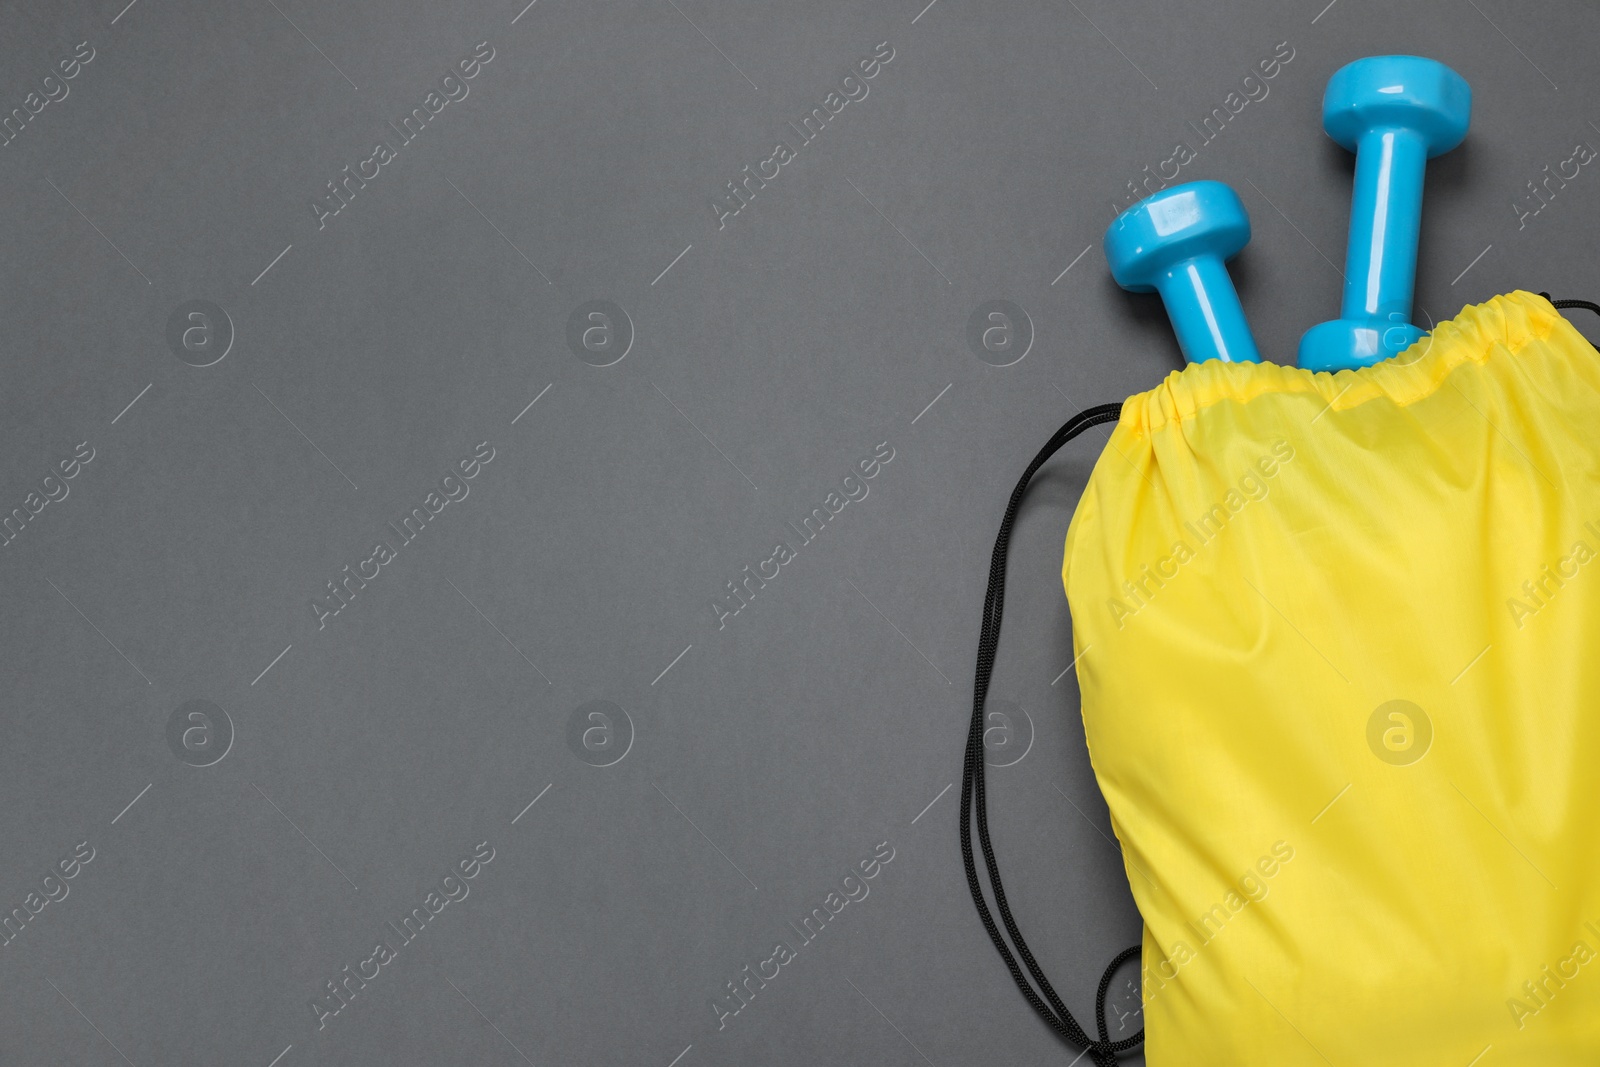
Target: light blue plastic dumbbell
[[1175, 243], [1395, 113]]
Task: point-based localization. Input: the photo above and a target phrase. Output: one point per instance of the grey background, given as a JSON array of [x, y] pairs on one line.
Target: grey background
[[374, 353]]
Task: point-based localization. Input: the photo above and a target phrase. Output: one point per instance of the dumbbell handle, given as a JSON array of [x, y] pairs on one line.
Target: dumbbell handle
[[1205, 312], [1385, 224]]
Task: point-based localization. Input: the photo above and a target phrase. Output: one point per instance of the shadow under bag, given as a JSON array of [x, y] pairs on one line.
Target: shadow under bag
[[1338, 639]]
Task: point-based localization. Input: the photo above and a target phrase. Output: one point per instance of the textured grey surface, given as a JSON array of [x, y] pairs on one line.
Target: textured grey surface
[[750, 766]]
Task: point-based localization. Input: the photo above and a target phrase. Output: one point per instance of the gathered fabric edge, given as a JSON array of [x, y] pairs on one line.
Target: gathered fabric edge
[[1509, 321]]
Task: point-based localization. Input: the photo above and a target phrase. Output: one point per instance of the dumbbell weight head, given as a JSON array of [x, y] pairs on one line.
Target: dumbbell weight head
[[1175, 243], [1403, 92]]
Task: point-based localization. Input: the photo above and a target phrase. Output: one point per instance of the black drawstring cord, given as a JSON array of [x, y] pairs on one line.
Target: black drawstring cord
[[1587, 305], [1104, 1051]]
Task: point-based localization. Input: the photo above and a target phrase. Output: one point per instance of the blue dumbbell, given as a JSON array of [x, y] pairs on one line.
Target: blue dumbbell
[[1174, 243], [1395, 113]]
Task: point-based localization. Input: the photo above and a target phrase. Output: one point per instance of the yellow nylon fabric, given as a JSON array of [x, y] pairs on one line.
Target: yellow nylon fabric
[[1265, 560]]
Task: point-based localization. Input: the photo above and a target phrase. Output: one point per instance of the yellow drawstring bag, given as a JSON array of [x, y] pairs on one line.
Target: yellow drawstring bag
[[1338, 639]]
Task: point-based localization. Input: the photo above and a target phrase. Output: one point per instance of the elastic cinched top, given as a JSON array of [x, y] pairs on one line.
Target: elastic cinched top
[[1506, 322]]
